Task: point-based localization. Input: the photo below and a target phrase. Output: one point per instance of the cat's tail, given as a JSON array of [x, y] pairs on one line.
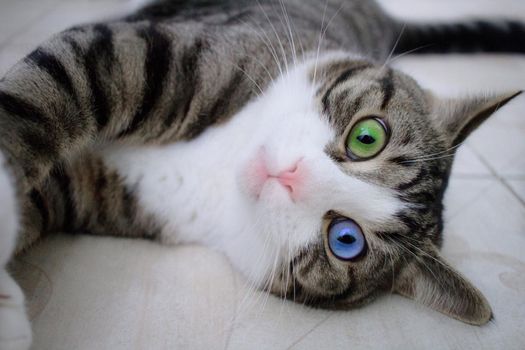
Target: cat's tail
[[505, 36]]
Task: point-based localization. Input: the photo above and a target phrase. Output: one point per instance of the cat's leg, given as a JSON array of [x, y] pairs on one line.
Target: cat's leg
[[86, 86], [91, 85], [120, 82], [84, 195], [15, 331]]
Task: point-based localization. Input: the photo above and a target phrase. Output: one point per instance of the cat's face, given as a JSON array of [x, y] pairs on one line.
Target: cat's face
[[344, 190]]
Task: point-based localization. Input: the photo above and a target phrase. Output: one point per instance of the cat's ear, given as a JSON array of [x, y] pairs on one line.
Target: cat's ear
[[459, 117], [433, 283]]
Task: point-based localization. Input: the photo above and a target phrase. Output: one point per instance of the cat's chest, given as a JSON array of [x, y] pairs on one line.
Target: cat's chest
[[179, 185]]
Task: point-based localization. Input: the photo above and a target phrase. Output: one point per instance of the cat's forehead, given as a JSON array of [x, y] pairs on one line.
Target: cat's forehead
[[348, 88]]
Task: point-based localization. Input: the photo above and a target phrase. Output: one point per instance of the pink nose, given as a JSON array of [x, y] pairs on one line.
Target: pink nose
[[291, 179], [258, 174]]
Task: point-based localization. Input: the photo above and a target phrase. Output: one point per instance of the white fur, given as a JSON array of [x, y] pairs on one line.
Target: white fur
[[15, 331], [198, 189]]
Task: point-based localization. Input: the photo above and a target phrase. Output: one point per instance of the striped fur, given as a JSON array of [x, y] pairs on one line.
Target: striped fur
[[173, 71], [467, 37]]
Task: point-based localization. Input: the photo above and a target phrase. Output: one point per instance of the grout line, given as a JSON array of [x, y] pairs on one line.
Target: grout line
[[511, 189], [487, 177], [499, 178], [474, 199], [302, 337], [472, 176]]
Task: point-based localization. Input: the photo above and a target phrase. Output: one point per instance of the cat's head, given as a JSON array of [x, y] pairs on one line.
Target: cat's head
[[344, 183]]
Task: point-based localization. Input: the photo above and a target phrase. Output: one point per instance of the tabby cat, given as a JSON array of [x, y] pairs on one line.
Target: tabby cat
[[274, 132]]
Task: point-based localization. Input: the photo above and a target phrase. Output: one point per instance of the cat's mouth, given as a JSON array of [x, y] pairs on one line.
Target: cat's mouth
[[262, 179]]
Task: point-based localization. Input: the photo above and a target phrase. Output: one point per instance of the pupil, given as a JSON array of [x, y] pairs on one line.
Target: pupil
[[366, 139], [346, 239]]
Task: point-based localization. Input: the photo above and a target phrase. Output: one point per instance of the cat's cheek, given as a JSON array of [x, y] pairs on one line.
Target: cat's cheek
[[252, 178]]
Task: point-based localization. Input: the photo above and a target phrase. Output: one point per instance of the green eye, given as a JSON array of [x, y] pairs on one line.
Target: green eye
[[366, 139]]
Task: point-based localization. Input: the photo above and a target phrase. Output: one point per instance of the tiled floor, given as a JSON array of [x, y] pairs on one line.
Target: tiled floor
[[26, 23], [485, 215]]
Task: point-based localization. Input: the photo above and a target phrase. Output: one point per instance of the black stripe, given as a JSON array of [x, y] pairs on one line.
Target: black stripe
[[402, 161], [296, 291], [99, 188], [409, 222], [54, 68], [306, 266], [300, 257], [473, 36], [64, 184], [40, 143], [98, 61], [220, 107], [188, 72], [20, 108], [190, 64], [423, 197], [515, 37], [343, 118], [435, 170], [39, 136], [407, 138], [38, 201], [128, 204], [227, 93], [387, 85], [156, 67], [420, 176], [77, 49], [342, 78], [76, 29]]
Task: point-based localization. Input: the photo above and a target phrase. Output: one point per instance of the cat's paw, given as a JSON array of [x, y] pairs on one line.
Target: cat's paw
[[15, 329]]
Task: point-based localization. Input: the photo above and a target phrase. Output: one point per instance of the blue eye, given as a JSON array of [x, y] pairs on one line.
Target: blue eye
[[345, 239]]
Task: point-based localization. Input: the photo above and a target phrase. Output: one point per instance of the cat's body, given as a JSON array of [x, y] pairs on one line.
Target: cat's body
[[229, 125]]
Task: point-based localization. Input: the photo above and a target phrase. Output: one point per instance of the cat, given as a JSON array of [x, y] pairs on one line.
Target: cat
[[274, 132]]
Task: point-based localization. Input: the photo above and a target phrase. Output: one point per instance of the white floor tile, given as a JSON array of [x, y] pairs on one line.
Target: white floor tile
[[17, 15], [502, 146], [441, 9], [485, 215], [67, 15], [518, 186], [467, 163], [8, 60]]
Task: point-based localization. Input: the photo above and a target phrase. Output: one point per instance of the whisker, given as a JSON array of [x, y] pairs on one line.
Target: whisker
[[258, 61], [422, 252], [249, 78], [319, 43], [434, 156], [398, 40], [427, 159], [276, 35], [408, 52], [290, 34], [268, 43]]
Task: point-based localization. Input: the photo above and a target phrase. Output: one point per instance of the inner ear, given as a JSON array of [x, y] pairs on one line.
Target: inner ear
[[430, 281], [458, 118]]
